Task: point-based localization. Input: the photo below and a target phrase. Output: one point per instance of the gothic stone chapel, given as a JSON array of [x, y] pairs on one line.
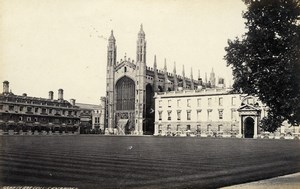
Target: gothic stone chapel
[[130, 88]]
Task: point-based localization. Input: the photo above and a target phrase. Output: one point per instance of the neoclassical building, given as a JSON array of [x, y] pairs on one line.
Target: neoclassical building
[[213, 112], [130, 88], [207, 112]]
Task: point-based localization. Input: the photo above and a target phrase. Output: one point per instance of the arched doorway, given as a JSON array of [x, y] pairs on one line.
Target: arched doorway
[[125, 105], [249, 127]]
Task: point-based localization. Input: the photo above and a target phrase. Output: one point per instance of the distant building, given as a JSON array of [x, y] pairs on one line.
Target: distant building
[[32, 115], [91, 118], [212, 112]]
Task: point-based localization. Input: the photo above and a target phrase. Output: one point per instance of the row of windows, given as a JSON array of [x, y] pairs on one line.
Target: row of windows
[[188, 128], [40, 119], [199, 101], [38, 102], [188, 115], [29, 119], [38, 110]]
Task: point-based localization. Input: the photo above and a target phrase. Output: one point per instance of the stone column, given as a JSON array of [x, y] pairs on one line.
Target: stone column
[[240, 127], [255, 127], [155, 129]]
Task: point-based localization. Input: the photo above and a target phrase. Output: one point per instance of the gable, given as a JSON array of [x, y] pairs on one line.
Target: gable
[[126, 64], [248, 107]]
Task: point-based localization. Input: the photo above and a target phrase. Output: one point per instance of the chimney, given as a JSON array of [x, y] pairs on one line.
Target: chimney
[[72, 101], [51, 95], [5, 87], [24, 94], [60, 94]]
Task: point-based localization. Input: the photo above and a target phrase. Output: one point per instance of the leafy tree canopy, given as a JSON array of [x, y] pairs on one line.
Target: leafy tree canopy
[[266, 60]]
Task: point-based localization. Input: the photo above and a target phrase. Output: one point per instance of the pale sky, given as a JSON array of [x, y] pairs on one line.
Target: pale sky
[[50, 44]]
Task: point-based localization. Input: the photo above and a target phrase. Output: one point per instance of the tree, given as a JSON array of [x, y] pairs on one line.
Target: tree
[[266, 60]]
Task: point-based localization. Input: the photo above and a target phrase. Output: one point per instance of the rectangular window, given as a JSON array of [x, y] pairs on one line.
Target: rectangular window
[[208, 127], [160, 103], [179, 115], [95, 119], [50, 111], [160, 116], [188, 115], [220, 114], [209, 115], [1, 107], [188, 127], [29, 109], [20, 118], [221, 101], [178, 103], [198, 102], [188, 102], [44, 110], [159, 129], [198, 115], [198, 129], [169, 127], [233, 101], [11, 108], [21, 108], [209, 101], [36, 110], [169, 103], [169, 115]]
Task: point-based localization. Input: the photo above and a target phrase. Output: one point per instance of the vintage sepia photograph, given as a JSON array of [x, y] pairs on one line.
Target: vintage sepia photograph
[[149, 94]]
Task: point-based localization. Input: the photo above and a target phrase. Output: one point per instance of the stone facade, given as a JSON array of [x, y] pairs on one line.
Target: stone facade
[[22, 114], [91, 118], [213, 113], [130, 88]]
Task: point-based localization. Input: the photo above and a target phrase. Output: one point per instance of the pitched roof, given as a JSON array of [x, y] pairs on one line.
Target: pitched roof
[[88, 106]]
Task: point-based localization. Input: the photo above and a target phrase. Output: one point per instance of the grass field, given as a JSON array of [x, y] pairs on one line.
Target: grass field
[[142, 162]]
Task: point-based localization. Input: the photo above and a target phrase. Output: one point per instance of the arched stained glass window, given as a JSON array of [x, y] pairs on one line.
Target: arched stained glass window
[[125, 88]]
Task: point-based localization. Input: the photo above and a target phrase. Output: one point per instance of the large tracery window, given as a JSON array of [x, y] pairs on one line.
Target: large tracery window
[[125, 94]]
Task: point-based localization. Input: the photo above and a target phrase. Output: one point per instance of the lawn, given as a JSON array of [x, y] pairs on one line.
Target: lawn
[[142, 162]]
